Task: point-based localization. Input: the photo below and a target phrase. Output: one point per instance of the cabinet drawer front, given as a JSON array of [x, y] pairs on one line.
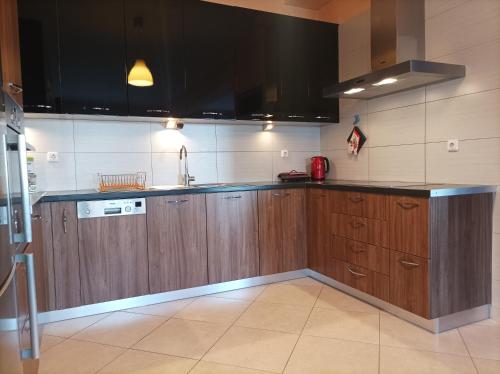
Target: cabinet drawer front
[[409, 225], [366, 230], [360, 204], [362, 254], [358, 277], [409, 283]]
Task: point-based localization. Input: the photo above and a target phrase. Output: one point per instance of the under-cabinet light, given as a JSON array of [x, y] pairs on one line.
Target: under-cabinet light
[[353, 91], [385, 81]]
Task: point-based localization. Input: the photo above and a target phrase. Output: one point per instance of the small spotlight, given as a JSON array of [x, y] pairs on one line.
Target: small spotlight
[[353, 91], [385, 81], [173, 124], [269, 125]]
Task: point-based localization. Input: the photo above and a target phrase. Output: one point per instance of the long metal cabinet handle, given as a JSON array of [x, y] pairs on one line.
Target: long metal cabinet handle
[[408, 205], [15, 87], [357, 199], [178, 202], [65, 221], [34, 351], [356, 225], [356, 274], [25, 191], [408, 263], [354, 250], [7, 186], [232, 197]]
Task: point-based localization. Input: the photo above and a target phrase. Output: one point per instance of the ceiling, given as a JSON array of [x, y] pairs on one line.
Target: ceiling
[[308, 4]]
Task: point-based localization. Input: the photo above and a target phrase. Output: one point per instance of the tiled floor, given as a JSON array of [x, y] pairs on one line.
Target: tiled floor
[[299, 326]]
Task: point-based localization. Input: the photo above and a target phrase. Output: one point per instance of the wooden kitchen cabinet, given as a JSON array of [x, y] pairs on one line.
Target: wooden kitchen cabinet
[[232, 233], [177, 242], [318, 229], [282, 230], [409, 283], [9, 50], [113, 257], [409, 225], [66, 258]]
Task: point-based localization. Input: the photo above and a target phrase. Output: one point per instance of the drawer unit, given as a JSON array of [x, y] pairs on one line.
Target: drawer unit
[[362, 279], [409, 283], [409, 225], [369, 256], [360, 204], [366, 230]]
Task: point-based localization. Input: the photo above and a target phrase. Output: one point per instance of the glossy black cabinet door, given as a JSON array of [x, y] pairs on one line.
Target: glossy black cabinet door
[[39, 55], [209, 45], [323, 71], [92, 45], [154, 34], [257, 81]]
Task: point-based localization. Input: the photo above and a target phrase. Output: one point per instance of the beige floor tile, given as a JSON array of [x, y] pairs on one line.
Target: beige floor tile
[[70, 327], [49, 341], [253, 349], [137, 362], [247, 294], [120, 329], [482, 341], [205, 367], [77, 357], [331, 298], [183, 338], [164, 309], [487, 366], [392, 360], [321, 356], [306, 281], [290, 294], [278, 317], [214, 309], [343, 324], [395, 332]]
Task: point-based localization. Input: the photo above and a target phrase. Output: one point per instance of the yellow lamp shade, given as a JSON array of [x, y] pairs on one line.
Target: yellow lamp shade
[[140, 75]]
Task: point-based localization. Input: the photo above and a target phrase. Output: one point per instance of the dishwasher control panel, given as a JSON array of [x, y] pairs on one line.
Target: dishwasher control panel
[[110, 208]]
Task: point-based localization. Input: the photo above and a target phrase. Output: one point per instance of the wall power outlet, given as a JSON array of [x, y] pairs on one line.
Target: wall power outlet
[[53, 156], [453, 145]]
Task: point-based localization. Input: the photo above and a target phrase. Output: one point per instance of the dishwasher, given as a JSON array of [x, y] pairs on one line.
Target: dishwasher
[[112, 248]]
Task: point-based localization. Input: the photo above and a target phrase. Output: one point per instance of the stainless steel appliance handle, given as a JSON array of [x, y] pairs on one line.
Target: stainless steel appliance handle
[[34, 351], [7, 187], [25, 192]]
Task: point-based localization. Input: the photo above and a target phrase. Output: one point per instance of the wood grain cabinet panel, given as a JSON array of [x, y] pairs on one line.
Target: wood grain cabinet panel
[[318, 230], [113, 257], [360, 204], [177, 242], [369, 256], [9, 50], [66, 258], [282, 230], [409, 283], [362, 229], [232, 233], [409, 225]]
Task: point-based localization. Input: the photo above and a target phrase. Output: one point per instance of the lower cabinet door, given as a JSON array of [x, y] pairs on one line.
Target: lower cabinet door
[[318, 230], [177, 242], [232, 232], [113, 257], [409, 283], [293, 206]]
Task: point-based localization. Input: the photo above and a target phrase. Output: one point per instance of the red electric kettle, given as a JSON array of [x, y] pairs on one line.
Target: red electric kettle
[[319, 167]]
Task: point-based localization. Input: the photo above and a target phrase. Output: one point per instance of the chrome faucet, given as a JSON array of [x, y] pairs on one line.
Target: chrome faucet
[[187, 178]]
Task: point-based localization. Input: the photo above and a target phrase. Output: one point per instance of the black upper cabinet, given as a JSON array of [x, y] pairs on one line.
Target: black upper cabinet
[[209, 44], [154, 34], [323, 70], [92, 45], [256, 65], [39, 56]]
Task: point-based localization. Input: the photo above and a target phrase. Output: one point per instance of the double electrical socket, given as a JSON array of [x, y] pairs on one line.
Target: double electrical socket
[[453, 145]]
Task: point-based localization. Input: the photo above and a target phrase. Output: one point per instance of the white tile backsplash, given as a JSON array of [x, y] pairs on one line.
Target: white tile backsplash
[[347, 166], [435, 7], [299, 161], [297, 139], [169, 169], [245, 166], [196, 138], [112, 136], [48, 135], [55, 176], [397, 163], [243, 138], [88, 165], [398, 100]]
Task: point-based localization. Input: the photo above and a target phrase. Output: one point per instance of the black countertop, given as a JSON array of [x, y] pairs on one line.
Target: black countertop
[[393, 188]]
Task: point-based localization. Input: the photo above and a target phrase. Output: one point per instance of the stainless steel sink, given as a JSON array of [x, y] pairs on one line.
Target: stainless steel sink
[[170, 187]]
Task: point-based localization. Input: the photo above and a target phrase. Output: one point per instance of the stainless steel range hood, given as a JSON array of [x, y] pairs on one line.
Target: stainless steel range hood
[[398, 52]]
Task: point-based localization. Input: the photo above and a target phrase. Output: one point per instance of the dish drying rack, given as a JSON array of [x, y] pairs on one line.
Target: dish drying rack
[[122, 182]]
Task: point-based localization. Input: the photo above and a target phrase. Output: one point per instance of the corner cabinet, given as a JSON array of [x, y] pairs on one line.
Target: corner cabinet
[[282, 230], [233, 238]]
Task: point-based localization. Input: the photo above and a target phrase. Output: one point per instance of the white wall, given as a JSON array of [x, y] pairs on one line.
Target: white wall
[[217, 153], [408, 132]]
